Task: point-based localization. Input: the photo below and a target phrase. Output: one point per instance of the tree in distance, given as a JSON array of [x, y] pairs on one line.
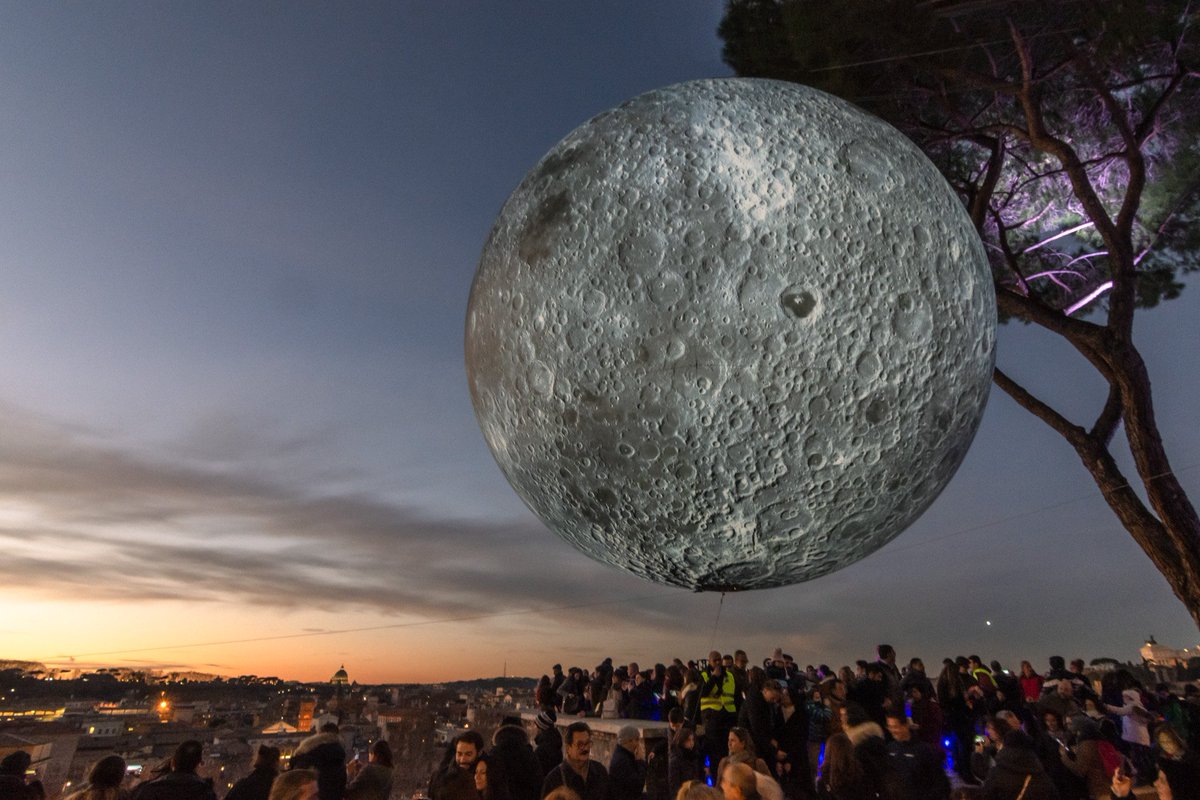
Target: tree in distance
[[1070, 131]]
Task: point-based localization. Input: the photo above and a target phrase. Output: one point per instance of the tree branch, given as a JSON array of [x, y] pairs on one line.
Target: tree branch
[[983, 198], [1110, 416], [1040, 138], [1063, 426], [1145, 128], [1077, 331]]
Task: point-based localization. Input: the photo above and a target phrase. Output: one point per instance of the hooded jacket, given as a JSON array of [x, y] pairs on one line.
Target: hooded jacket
[[325, 753], [521, 769]]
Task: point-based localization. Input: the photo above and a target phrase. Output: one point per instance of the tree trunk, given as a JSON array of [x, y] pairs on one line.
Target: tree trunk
[[1174, 510], [1168, 531]]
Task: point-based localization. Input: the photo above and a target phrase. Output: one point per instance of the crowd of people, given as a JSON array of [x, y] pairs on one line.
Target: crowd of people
[[318, 771], [874, 731]]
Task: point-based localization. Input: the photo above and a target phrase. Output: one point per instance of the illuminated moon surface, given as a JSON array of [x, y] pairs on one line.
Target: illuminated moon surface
[[733, 334]]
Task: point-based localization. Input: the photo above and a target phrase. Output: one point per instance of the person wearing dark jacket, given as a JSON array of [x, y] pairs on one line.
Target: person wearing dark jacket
[[689, 697], [880, 777], [919, 764], [455, 780], [1047, 743], [642, 702], [325, 753], [181, 782], [871, 692], [657, 759], [916, 676], [490, 781], [578, 772], [684, 761], [1008, 689], [759, 714], [959, 712], [626, 771], [795, 770], [926, 716], [372, 781], [518, 766], [547, 742], [1018, 773], [12, 778], [104, 781], [257, 785], [570, 692], [557, 680]]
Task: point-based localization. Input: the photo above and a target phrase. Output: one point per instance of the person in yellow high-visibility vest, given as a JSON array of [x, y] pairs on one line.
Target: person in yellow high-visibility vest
[[718, 709]]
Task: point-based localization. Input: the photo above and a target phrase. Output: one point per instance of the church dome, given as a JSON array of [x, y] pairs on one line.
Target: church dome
[[340, 677]]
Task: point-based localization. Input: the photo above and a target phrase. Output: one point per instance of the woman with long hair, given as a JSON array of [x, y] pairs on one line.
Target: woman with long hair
[[684, 762], [296, 784], [741, 751], [1178, 765], [257, 785], [1031, 683], [959, 718], [842, 776], [543, 695], [104, 781], [488, 783], [616, 703], [372, 781], [672, 686], [689, 697], [795, 769]]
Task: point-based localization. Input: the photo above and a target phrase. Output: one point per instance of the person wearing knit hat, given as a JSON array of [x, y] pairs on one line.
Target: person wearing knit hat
[[547, 744], [627, 768]]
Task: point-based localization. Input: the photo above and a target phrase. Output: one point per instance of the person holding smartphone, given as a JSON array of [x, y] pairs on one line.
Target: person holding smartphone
[[1122, 785]]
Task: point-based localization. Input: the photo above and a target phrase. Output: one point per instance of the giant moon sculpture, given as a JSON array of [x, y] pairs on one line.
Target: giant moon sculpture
[[733, 334]]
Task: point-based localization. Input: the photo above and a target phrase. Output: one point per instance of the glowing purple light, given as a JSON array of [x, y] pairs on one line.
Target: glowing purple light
[[1092, 295]]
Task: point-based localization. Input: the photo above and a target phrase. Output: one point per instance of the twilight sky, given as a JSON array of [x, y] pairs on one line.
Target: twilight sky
[[236, 243]]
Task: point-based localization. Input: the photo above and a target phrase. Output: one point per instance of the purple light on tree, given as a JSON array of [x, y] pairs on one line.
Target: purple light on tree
[[1092, 295]]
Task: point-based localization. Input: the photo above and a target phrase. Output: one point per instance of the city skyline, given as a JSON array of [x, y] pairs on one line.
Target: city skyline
[[238, 245]]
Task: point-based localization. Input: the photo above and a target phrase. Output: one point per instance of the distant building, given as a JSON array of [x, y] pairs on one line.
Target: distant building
[[102, 725], [304, 715], [1158, 655], [340, 678], [33, 712]]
